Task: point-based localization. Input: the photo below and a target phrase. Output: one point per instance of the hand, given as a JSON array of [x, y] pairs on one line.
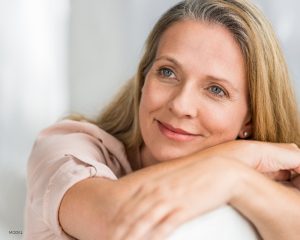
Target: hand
[[278, 156], [275, 160], [296, 181], [160, 206]]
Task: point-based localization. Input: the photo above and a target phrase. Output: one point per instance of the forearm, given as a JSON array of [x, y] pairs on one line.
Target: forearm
[[272, 207], [84, 209], [88, 206], [80, 212], [226, 150], [99, 200], [144, 175]]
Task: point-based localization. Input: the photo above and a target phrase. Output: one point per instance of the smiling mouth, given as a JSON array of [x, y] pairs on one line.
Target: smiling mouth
[[176, 134]]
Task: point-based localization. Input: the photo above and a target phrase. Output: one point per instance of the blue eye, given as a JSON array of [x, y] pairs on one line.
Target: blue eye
[[217, 91], [166, 73]]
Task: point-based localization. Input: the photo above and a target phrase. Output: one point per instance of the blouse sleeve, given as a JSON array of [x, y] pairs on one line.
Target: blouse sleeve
[[63, 155]]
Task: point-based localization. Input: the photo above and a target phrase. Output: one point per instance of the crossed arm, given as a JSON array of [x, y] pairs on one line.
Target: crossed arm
[[154, 201]]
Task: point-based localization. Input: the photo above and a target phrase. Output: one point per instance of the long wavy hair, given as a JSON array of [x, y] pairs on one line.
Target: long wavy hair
[[273, 106]]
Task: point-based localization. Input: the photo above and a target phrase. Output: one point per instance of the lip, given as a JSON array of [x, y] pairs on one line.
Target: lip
[[176, 130], [176, 134]]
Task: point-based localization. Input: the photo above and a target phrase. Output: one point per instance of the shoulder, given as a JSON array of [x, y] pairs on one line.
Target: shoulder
[[64, 154], [66, 127], [83, 140], [71, 128]]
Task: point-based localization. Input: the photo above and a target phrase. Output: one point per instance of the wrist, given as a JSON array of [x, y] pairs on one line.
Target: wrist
[[256, 197], [241, 186], [245, 151], [242, 151], [243, 178]]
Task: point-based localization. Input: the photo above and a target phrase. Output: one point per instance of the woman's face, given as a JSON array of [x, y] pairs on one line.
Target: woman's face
[[195, 93]]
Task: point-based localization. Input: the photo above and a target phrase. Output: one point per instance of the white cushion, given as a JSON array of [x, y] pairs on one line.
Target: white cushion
[[224, 223]]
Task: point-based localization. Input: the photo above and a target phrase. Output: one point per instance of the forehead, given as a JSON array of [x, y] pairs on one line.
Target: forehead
[[203, 48]]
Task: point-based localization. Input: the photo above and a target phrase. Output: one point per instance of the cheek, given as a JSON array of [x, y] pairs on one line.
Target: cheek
[[148, 104], [153, 97], [153, 103], [223, 121]]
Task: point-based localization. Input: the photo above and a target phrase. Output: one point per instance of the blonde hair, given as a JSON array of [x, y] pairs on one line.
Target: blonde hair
[[272, 101]]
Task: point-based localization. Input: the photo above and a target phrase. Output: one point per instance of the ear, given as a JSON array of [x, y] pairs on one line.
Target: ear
[[246, 130]]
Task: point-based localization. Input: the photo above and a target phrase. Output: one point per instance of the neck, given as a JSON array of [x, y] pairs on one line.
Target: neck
[[133, 156], [146, 158]]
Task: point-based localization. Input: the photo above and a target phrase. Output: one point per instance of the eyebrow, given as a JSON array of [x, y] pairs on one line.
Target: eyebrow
[[210, 77], [169, 59]]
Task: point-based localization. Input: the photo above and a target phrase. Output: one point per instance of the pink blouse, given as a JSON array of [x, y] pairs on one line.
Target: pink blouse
[[64, 154]]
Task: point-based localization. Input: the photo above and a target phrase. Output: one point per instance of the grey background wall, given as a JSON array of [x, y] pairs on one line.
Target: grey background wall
[[107, 39], [61, 56]]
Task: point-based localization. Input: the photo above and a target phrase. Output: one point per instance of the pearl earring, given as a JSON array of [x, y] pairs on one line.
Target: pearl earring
[[246, 134]]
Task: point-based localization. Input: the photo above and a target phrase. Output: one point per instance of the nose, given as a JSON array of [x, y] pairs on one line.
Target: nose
[[184, 103]]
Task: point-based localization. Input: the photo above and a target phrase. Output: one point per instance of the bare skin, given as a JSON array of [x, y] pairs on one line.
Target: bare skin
[[98, 208], [194, 106], [197, 85]]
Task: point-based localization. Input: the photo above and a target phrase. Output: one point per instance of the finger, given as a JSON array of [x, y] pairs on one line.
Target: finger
[[297, 170], [296, 182], [144, 224], [281, 175], [168, 225], [123, 215], [142, 202], [280, 156], [124, 211], [148, 194]]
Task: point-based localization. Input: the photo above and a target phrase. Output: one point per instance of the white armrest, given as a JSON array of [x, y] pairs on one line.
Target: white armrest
[[224, 223]]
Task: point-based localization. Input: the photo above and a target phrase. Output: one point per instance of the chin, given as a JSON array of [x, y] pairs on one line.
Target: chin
[[166, 154]]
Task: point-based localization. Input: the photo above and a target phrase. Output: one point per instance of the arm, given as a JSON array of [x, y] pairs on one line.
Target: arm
[[90, 207], [272, 207], [165, 203]]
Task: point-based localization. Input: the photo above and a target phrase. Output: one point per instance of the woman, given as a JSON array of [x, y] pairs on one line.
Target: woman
[[209, 119]]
